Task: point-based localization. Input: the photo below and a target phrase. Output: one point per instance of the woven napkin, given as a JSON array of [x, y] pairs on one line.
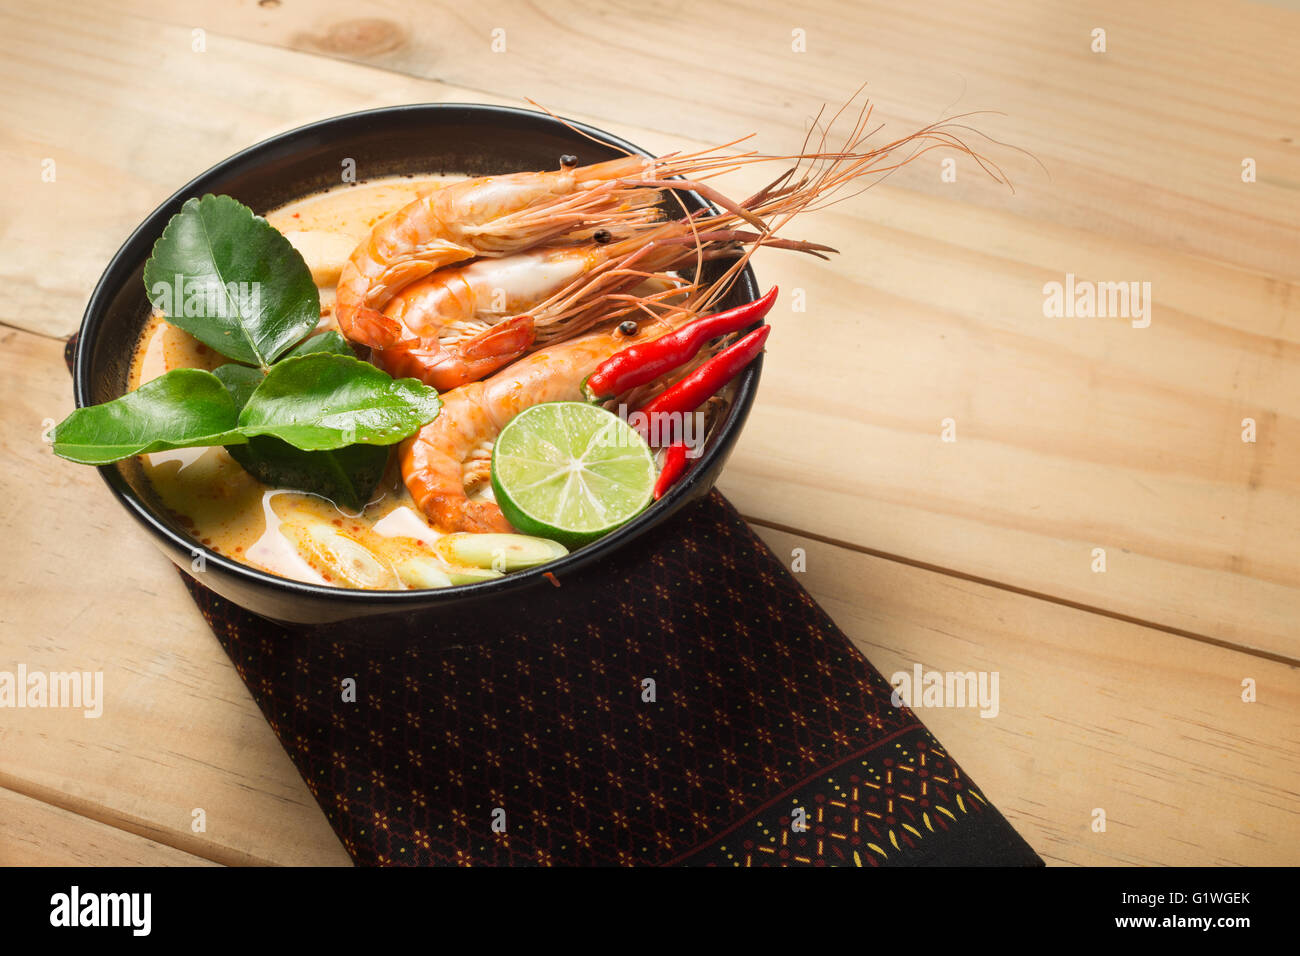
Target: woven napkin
[[684, 703]]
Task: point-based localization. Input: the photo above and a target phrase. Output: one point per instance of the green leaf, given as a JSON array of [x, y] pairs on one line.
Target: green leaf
[[346, 476], [231, 280], [323, 401], [240, 381], [186, 408], [316, 402], [329, 341]]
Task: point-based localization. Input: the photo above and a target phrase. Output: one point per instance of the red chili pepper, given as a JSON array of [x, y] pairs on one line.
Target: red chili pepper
[[643, 363], [692, 391], [674, 468]]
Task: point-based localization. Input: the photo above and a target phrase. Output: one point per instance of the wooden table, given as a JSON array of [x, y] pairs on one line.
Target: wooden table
[[1120, 690]]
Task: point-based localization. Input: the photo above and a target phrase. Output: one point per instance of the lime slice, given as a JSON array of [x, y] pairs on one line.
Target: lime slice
[[570, 472]]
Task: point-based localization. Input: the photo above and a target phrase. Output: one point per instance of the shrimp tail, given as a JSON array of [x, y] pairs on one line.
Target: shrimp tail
[[368, 326], [455, 513], [503, 342], [435, 481]]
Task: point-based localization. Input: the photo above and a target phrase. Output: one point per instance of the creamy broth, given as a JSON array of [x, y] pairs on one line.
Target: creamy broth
[[295, 535]]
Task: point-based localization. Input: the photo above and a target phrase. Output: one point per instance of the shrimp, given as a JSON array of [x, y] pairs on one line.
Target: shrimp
[[458, 323], [487, 216], [496, 216], [435, 459], [466, 321]]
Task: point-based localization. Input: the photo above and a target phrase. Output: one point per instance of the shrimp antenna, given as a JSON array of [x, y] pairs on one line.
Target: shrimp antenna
[[583, 133], [815, 179]]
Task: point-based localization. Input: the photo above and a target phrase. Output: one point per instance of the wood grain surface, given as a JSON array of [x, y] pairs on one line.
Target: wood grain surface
[[1121, 690], [33, 833]]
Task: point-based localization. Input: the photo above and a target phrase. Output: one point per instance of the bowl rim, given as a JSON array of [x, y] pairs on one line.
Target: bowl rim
[[140, 243]]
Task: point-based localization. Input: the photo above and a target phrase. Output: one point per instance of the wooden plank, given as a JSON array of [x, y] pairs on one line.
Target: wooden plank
[[84, 589], [1094, 713], [129, 116], [1143, 142], [1070, 434], [33, 833]]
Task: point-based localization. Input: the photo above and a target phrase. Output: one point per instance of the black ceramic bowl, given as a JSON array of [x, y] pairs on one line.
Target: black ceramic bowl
[[425, 138]]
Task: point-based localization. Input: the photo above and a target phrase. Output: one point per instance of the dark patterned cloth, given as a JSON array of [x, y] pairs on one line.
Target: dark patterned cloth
[[686, 704]]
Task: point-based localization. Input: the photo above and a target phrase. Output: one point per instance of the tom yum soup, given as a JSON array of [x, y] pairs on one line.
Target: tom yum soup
[[435, 381], [439, 419]]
